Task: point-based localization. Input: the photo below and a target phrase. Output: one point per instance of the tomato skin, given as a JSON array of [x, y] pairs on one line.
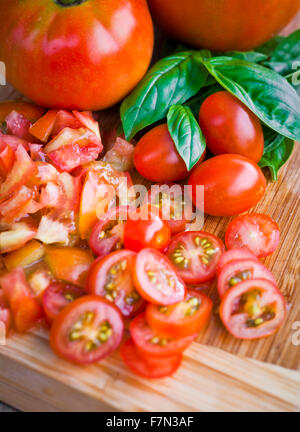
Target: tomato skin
[[30, 111], [224, 25], [74, 350], [151, 233], [147, 366], [235, 322], [18, 235], [233, 255], [108, 65], [232, 184], [256, 232], [230, 127], [180, 325]]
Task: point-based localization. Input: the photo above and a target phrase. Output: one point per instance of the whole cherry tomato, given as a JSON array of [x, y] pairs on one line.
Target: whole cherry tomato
[[230, 127], [232, 184], [76, 54], [223, 25]]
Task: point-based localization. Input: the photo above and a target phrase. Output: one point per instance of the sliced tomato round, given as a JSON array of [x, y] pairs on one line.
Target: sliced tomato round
[[258, 233], [195, 255], [253, 309], [107, 235], [147, 366], [156, 280], [112, 277], [237, 271], [155, 344], [87, 330], [234, 255], [183, 319], [57, 296]]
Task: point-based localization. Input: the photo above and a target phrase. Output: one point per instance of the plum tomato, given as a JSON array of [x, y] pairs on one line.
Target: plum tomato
[[147, 366], [232, 184], [111, 277], [57, 296], [259, 233], [230, 127], [87, 330], [253, 309], [235, 272], [108, 233], [156, 279], [195, 255], [145, 229], [234, 255], [155, 344], [183, 319]]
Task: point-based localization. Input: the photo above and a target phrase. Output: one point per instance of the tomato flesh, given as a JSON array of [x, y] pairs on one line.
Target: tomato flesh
[[233, 255], [257, 232], [253, 309], [156, 280], [195, 255], [87, 330]]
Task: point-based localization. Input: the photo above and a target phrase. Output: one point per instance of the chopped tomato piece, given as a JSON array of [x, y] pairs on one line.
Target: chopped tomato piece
[[65, 119], [45, 173], [19, 234], [5, 314], [25, 309], [23, 168], [43, 127], [71, 188], [37, 152], [7, 158], [72, 148], [39, 280], [55, 228], [32, 252], [30, 111], [15, 207], [120, 156], [69, 264], [18, 125], [87, 120], [234, 255], [13, 142]]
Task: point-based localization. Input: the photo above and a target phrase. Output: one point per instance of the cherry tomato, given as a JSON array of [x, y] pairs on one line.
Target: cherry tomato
[[156, 280], [147, 366], [145, 229], [111, 277], [232, 184], [235, 272], [233, 255], [230, 127], [183, 319], [107, 235], [57, 296], [257, 232], [195, 255], [87, 330], [155, 344], [253, 309]]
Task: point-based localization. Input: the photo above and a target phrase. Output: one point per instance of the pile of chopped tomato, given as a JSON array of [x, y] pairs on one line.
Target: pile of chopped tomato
[[76, 259]]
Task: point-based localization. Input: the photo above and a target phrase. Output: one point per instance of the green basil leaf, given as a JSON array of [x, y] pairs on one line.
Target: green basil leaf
[[269, 47], [250, 56], [195, 103], [186, 134], [275, 159], [172, 80], [262, 90], [287, 52], [272, 139]]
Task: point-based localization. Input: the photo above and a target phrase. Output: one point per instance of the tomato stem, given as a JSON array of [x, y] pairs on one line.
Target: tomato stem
[[67, 3]]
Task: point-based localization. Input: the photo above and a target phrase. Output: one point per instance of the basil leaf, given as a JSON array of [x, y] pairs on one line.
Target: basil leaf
[[250, 56], [286, 53], [276, 158], [195, 103], [269, 47], [272, 139], [186, 134], [262, 90], [173, 80]]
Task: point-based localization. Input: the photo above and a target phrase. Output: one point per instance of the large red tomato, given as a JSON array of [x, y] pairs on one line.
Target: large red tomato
[[75, 54], [223, 24]]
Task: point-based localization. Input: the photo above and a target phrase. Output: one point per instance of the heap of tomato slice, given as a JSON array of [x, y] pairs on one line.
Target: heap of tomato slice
[[73, 259]]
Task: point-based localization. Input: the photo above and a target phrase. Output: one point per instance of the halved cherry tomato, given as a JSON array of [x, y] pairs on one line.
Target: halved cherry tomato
[[156, 280], [195, 255], [87, 330], [145, 229], [30, 111], [30, 253], [5, 314], [25, 309], [171, 204], [108, 233], [18, 234], [18, 125], [253, 309], [234, 255], [235, 272], [147, 366], [43, 127], [69, 264], [257, 232], [65, 119], [183, 319], [111, 277], [155, 344], [57, 296]]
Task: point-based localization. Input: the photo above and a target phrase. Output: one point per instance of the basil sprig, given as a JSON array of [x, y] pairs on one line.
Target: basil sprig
[[275, 158]]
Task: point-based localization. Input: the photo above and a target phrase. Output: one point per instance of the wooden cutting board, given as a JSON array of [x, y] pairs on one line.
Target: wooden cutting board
[[219, 372]]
